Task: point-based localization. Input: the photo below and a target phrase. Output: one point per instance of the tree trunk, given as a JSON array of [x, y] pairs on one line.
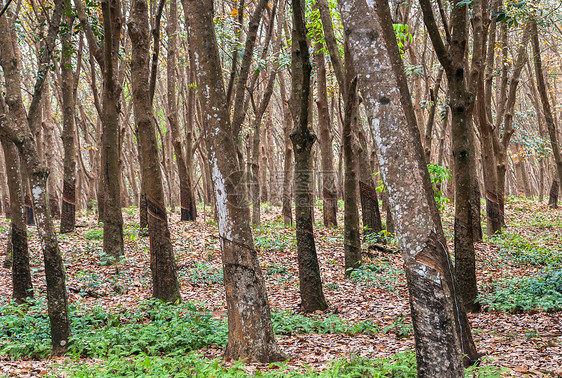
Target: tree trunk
[[187, 200], [113, 218], [303, 139], [19, 131], [351, 235], [250, 330], [68, 213], [49, 141], [345, 75], [329, 195], [165, 284], [254, 172], [553, 195], [435, 310], [287, 197], [541, 87], [453, 61], [367, 189], [21, 274]]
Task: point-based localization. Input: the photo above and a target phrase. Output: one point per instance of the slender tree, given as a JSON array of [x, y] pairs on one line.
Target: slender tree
[[303, 139], [68, 211], [452, 58], [17, 126], [187, 199], [329, 195], [165, 284], [344, 75], [18, 253], [547, 111], [249, 319]]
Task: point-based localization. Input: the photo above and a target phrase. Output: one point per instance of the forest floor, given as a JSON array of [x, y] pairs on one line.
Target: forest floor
[[368, 315]]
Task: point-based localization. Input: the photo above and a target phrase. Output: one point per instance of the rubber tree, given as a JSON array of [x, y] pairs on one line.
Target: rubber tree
[[250, 332], [440, 327], [303, 139], [68, 209], [165, 284], [17, 126], [452, 58]]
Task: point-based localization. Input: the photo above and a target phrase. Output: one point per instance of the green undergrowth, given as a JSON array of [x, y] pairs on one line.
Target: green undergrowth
[[201, 274], [94, 234], [400, 365], [192, 365], [286, 323], [155, 328], [379, 274], [529, 249], [525, 294], [160, 339]]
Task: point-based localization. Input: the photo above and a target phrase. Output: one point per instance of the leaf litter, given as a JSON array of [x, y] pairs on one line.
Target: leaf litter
[[527, 343]]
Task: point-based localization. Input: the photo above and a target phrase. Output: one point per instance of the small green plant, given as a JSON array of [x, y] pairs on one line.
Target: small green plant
[[382, 276], [525, 294], [90, 284], [202, 273], [155, 328], [400, 328], [529, 249], [277, 269], [273, 242], [438, 175], [94, 234], [131, 210], [287, 323]]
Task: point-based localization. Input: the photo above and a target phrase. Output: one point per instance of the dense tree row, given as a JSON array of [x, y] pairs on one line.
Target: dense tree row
[[233, 103]]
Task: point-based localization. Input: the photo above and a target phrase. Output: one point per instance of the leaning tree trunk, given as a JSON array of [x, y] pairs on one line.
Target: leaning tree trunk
[[21, 274], [68, 211], [18, 130], [433, 299], [113, 218], [303, 139], [250, 333], [165, 284]]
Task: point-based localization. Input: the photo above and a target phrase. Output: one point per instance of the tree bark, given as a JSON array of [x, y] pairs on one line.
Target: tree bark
[[351, 238], [113, 218], [453, 61], [345, 74], [250, 330], [329, 195], [165, 284], [502, 145], [68, 213], [21, 273], [541, 87], [439, 329], [187, 200], [370, 211], [18, 128], [287, 197], [303, 139]]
